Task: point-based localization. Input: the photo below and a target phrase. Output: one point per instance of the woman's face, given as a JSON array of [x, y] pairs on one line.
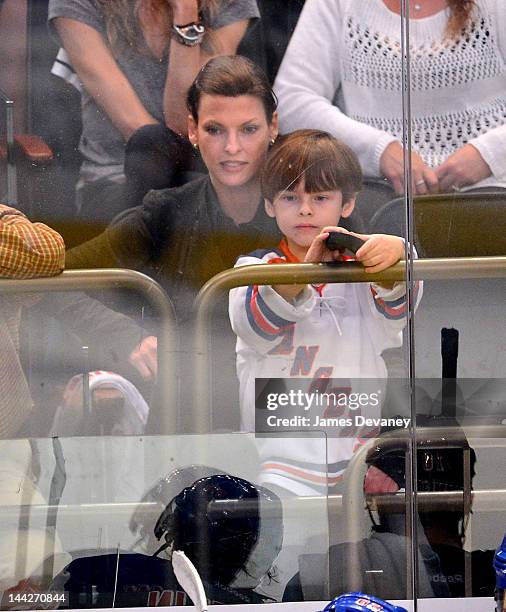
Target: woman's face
[[233, 135]]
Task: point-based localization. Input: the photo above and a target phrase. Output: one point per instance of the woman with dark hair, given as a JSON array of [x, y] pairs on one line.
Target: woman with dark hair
[[232, 122], [136, 60], [342, 74], [185, 235]]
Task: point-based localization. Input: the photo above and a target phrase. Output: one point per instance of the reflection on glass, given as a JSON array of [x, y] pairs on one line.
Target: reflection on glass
[[94, 531], [229, 528], [458, 123], [467, 402], [90, 492]]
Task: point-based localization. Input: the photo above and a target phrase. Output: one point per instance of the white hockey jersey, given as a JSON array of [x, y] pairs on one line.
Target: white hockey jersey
[[332, 331]]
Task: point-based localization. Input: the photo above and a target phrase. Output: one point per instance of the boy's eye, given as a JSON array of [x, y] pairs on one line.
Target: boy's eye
[[320, 197], [288, 197], [250, 129]]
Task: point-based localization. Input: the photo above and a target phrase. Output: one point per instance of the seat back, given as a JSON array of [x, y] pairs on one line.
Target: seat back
[[46, 111], [450, 225], [12, 84]]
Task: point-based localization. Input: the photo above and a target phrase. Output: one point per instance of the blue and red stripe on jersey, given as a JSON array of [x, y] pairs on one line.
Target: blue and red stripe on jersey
[[266, 323], [311, 474], [394, 309]]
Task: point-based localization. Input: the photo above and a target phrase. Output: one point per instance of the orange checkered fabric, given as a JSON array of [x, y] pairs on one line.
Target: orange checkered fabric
[[27, 250]]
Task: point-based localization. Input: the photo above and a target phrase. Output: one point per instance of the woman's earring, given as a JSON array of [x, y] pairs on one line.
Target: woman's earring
[[271, 143], [195, 146]]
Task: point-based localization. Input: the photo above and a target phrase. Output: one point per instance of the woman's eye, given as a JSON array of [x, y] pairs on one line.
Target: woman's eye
[[250, 129], [213, 130]]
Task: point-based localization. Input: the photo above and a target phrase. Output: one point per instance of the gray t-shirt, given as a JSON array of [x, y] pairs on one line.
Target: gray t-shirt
[[102, 145]]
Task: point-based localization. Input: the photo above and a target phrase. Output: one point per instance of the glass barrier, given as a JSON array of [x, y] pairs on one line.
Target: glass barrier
[[82, 532], [416, 90], [456, 107], [342, 391], [82, 508], [128, 329], [460, 365], [444, 453]]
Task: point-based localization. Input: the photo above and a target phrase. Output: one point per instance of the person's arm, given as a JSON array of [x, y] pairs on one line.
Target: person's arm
[[116, 342], [388, 301], [309, 77], [485, 155], [126, 243], [480, 158], [28, 250], [93, 254], [185, 62], [379, 252], [468, 164], [389, 311], [101, 75], [260, 316], [306, 85]]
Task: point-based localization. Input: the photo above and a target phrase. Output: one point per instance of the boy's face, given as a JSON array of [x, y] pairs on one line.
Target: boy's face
[[301, 216]]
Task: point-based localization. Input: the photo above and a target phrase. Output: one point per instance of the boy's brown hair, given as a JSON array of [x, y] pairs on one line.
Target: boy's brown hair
[[325, 164]]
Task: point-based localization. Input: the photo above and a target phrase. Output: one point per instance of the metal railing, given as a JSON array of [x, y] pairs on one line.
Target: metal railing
[[87, 280], [483, 500]]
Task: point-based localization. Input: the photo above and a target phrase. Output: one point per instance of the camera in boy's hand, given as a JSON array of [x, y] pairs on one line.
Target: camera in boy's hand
[[376, 252], [339, 241]]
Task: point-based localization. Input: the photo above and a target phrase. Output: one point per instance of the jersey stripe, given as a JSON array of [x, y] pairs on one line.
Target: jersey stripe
[[262, 319], [311, 474], [393, 309]]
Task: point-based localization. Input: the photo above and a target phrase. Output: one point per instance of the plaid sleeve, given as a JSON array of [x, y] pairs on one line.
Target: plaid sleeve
[[28, 250]]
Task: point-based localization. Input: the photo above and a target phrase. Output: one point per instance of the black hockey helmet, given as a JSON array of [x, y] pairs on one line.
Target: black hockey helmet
[[224, 524]]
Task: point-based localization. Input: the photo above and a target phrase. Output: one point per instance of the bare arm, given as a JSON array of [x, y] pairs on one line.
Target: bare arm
[[185, 62], [102, 77]]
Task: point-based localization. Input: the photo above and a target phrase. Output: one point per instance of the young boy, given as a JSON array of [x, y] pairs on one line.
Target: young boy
[[310, 183]]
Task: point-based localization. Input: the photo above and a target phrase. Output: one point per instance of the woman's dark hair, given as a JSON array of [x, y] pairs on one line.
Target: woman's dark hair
[[460, 15], [325, 164], [231, 76]]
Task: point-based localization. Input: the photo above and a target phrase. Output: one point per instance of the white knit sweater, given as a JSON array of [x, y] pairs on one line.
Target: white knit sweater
[[342, 74]]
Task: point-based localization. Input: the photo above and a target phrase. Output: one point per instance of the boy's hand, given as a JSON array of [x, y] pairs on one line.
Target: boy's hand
[[379, 252], [318, 250]]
